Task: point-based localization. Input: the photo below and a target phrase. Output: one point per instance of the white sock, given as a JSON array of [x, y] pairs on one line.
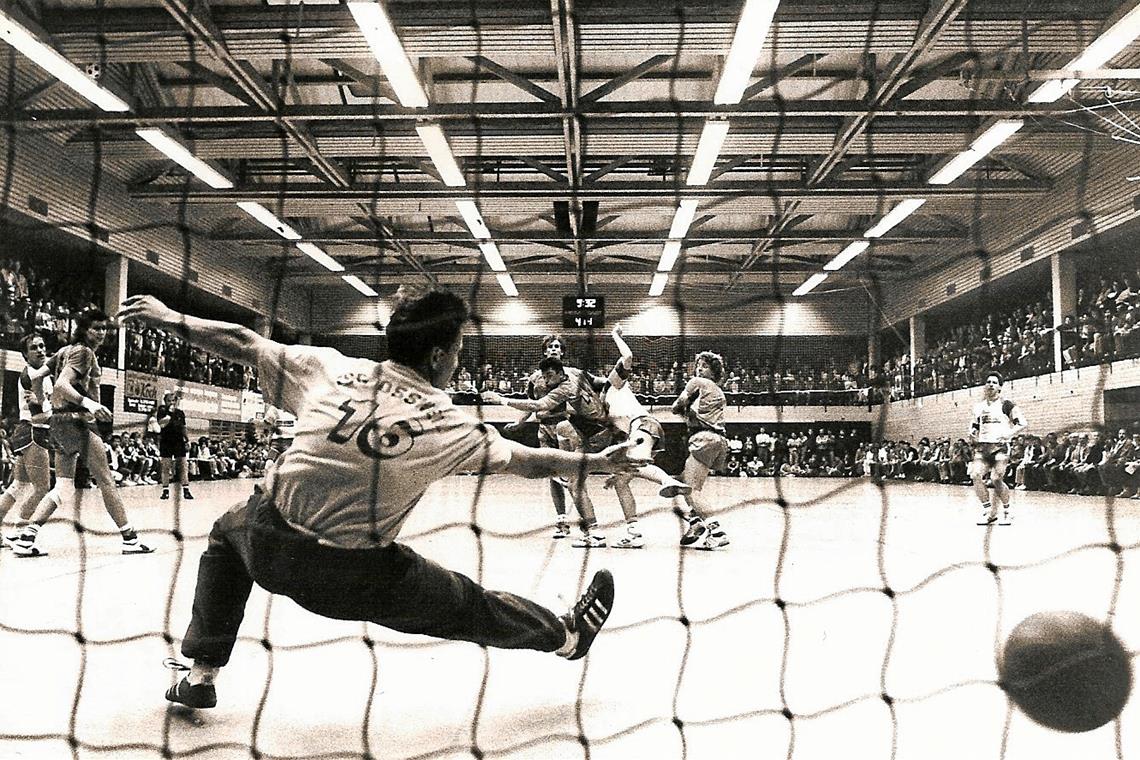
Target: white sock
[[568, 647], [202, 674]]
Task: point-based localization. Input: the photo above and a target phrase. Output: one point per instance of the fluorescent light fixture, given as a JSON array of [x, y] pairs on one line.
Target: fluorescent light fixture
[[179, 154], [507, 284], [657, 287], [491, 254], [751, 31], [389, 51], [470, 213], [50, 60], [995, 135], [683, 218], [436, 144], [318, 255], [708, 148], [266, 217], [1111, 42], [809, 284], [894, 216], [360, 285], [848, 253], [669, 255]]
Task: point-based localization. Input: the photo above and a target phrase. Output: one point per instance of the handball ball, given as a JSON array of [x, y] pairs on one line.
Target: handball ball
[[1066, 671]]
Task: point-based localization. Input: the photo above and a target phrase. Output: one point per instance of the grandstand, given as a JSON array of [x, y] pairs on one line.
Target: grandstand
[[866, 209]]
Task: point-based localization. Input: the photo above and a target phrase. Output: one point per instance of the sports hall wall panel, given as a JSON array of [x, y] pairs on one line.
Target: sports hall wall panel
[[1073, 399], [1045, 222], [537, 310], [64, 178]]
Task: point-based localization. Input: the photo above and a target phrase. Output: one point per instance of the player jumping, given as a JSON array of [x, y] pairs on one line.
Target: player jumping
[[995, 422], [633, 421], [702, 406]]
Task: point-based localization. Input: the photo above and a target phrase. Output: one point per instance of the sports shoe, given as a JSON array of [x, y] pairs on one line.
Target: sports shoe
[[561, 530], [186, 495], [27, 550], [589, 541], [695, 533], [588, 615], [136, 547], [201, 695], [629, 541], [675, 488], [165, 494], [716, 538]]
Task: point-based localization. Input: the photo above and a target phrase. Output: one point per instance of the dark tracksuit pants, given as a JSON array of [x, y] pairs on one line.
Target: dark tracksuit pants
[[391, 586]]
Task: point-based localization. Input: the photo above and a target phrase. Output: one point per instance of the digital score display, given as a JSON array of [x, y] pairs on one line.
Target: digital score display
[[587, 312]]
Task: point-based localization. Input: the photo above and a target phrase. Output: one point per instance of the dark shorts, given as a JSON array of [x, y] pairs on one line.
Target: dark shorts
[[26, 434], [167, 449], [585, 435], [70, 433], [988, 453], [709, 448]]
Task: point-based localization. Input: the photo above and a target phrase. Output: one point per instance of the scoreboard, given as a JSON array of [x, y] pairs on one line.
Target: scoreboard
[[583, 312]]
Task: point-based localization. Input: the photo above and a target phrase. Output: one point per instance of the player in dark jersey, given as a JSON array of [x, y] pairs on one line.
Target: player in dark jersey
[[370, 439], [75, 410], [702, 406], [580, 393], [552, 346], [172, 444], [30, 439]]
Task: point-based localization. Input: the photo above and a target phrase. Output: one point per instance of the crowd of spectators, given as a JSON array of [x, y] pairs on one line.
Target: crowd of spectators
[[35, 298], [1088, 463], [655, 384], [134, 458], [158, 352]]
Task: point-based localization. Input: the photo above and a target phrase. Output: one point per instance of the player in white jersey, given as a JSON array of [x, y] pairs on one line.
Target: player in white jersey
[[995, 422], [631, 420], [702, 406], [31, 439], [370, 438]]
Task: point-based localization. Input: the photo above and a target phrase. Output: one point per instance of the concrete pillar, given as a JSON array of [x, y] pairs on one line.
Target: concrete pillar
[[263, 326], [873, 350], [1063, 271], [114, 293], [917, 344]]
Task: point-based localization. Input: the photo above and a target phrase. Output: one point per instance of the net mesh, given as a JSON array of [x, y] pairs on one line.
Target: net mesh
[[777, 597]]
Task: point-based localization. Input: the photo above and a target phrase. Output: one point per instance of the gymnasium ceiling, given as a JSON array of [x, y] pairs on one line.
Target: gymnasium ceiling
[[575, 124]]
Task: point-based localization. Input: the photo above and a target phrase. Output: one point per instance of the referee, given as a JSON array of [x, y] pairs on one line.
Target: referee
[[172, 443]]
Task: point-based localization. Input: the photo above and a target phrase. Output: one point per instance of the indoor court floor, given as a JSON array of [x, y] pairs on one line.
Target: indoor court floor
[[704, 652]]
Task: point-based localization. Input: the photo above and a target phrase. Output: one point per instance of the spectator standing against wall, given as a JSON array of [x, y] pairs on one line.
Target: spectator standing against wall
[[172, 444]]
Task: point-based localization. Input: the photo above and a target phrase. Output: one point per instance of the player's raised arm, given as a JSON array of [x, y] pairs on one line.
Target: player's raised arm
[[225, 339], [621, 369]]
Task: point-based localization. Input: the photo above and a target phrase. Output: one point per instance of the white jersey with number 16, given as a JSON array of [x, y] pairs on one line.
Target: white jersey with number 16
[[369, 439]]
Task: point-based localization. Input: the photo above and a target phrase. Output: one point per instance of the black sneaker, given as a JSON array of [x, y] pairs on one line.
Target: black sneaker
[[588, 616], [165, 494], [201, 696], [186, 494]]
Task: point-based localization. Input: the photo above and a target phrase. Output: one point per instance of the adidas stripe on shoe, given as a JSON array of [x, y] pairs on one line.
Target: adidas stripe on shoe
[[589, 614]]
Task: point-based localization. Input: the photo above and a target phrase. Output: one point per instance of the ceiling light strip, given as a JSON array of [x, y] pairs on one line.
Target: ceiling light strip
[[389, 51], [1111, 42], [507, 284], [751, 32], [983, 145], [894, 216], [435, 142], [181, 155], [809, 284], [707, 152], [360, 285], [848, 253], [317, 254], [657, 287], [266, 217], [53, 62]]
